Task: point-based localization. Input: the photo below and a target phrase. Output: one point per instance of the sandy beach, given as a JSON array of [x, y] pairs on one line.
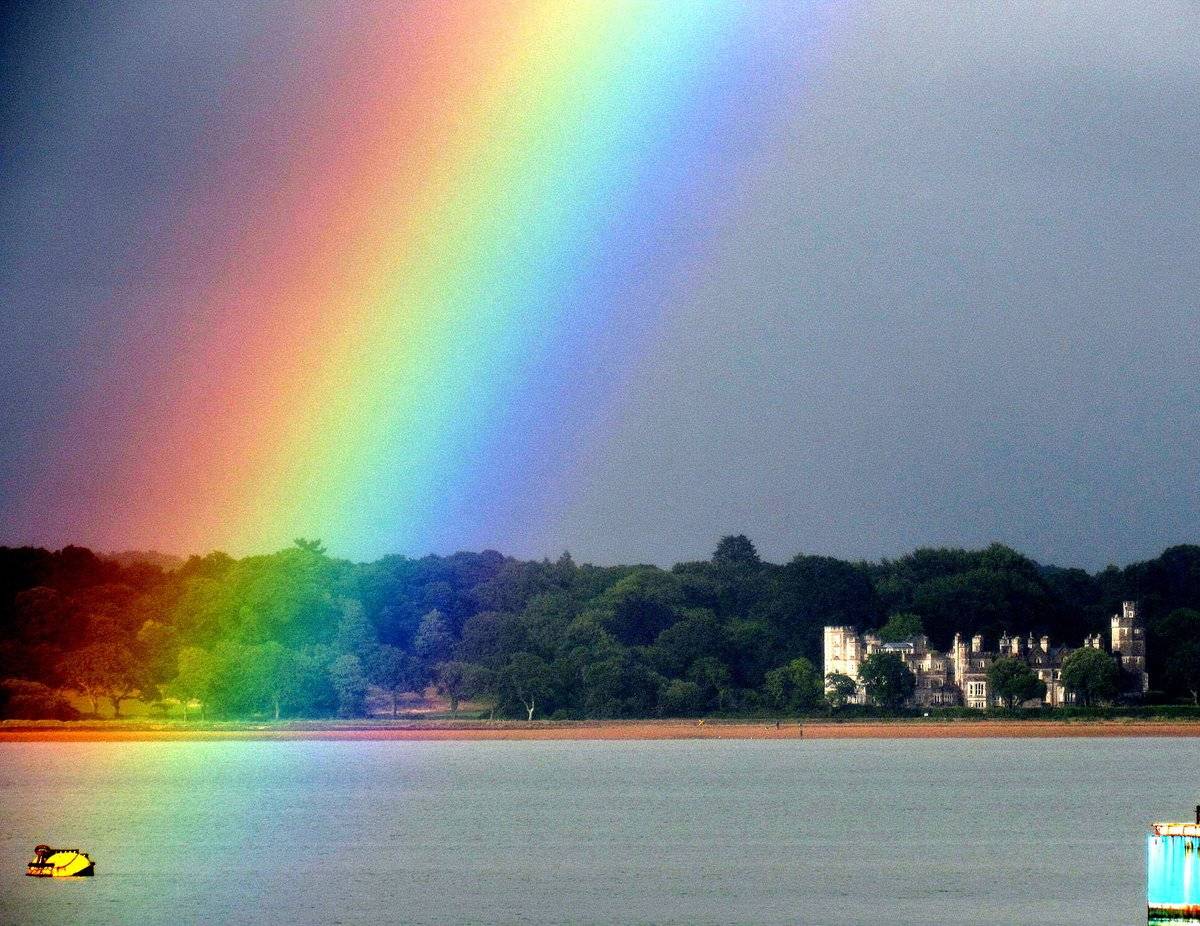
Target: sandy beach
[[16, 731]]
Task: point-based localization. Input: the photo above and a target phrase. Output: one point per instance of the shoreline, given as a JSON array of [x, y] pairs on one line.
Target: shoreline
[[451, 730]]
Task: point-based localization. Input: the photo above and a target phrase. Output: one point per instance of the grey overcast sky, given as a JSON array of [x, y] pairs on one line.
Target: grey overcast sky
[[965, 307], [957, 300]]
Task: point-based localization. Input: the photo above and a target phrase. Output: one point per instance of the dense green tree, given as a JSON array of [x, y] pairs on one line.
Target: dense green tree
[[1091, 675], [393, 670], [355, 635], [1014, 681], [1182, 669], [796, 687], [434, 642], [458, 680], [887, 680], [276, 675], [350, 682], [1172, 643], [526, 680], [490, 637], [714, 679], [640, 606], [103, 670], [737, 551], [839, 689], [193, 679], [809, 593], [697, 635], [680, 698], [900, 627]]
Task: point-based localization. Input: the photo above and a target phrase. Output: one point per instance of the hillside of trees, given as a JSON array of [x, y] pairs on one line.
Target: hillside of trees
[[301, 634]]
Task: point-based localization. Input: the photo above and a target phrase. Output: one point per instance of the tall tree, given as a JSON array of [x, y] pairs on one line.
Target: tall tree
[[394, 671], [839, 689], [736, 550], [350, 682], [277, 674], [901, 626], [194, 678], [796, 687], [103, 670], [526, 680], [1091, 675], [1014, 681], [458, 680], [887, 680], [433, 643]]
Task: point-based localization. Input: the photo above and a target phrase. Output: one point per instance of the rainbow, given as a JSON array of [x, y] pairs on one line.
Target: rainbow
[[405, 297]]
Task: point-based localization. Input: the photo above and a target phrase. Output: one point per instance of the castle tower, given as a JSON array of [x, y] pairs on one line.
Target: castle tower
[[844, 651], [1129, 643], [958, 658]]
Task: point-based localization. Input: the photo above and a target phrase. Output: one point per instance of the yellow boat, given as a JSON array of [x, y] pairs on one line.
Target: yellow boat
[[60, 863]]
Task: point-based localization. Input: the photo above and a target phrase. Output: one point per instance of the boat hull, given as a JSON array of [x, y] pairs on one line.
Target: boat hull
[[65, 864]]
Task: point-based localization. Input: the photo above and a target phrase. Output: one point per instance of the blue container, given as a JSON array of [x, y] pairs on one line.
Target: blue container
[[1173, 873]]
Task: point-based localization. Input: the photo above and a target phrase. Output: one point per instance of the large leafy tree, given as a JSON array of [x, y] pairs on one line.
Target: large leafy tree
[[796, 687], [458, 680], [887, 680], [194, 678], [1175, 651], [1183, 669], [902, 626], [1014, 681], [737, 551], [1091, 675], [103, 670], [350, 682], [839, 689], [526, 680], [393, 670], [434, 642]]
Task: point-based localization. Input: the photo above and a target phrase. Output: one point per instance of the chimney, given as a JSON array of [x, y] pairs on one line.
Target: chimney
[[1045, 644]]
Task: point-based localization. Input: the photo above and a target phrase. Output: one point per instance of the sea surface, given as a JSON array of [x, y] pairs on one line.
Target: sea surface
[[1002, 831]]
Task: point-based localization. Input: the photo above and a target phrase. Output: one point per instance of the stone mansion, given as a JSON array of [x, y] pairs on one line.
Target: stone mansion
[[959, 677]]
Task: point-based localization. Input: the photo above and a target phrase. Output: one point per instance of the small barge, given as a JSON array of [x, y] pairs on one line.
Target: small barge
[[60, 863], [1173, 873]]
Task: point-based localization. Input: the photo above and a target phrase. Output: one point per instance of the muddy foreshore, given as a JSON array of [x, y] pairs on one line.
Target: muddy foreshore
[[14, 731]]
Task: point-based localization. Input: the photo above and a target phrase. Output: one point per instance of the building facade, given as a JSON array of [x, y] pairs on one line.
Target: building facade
[[960, 677]]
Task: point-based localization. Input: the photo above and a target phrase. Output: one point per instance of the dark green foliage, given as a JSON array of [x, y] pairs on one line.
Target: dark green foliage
[[887, 680], [737, 552], [350, 682], [1092, 675], [1178, 636], [307, 634], [839, 689], [1014, 681], [526, 682], [458, 680], [809, 592], [795, 688], [903, 626], [22, 699], [393, 671]]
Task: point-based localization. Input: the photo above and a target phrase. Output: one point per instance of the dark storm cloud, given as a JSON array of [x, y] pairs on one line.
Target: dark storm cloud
[[957, 301]]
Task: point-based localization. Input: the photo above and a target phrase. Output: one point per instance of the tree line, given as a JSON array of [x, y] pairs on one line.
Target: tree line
[[299, 633]]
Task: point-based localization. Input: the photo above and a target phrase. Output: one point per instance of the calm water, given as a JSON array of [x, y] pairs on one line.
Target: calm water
[[828, 832]]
